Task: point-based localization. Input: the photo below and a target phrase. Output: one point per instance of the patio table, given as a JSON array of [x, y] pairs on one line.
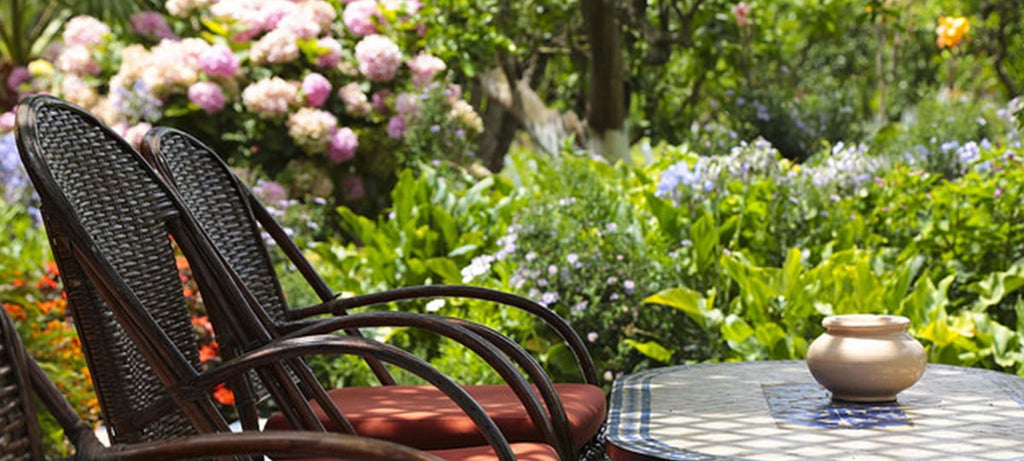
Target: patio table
[[774, 410]]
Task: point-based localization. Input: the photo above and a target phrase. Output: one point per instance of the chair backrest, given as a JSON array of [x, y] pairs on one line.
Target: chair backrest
[[222, 205], [19, 428], [21, 381], [108, 216], [234, 220]]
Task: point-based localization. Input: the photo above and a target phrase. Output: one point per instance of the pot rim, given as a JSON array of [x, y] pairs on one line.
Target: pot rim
[[865, 321]]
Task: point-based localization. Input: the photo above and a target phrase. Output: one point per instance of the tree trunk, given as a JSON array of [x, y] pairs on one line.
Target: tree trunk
[[606, 113], [548, 128]]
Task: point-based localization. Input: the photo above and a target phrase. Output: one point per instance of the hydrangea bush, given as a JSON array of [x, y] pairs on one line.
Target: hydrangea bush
[[331, 92]]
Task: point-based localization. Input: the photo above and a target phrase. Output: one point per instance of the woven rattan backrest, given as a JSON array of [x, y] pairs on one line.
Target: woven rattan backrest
[[103, 202], [218, 202], [19, 428]]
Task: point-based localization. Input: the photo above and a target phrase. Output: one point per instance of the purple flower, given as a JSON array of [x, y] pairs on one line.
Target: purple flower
[[316, 88], [379, 58], [343, 145], [18, 76], [396, 127], [379, 101], [219, 61], [152, 25], [206, 95], [361, 16], [330, 53]]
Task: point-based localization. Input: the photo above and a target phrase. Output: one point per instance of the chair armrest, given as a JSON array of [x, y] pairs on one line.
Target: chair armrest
[[572, 339], [292, 348], [269, 443], [488, 344]]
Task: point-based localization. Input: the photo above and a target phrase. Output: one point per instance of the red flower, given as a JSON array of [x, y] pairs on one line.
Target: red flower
[[202, 322], [223, 395], [208, 352]]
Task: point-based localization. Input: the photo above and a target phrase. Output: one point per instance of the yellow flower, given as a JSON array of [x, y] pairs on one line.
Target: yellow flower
[[40, 67], [951, 30]]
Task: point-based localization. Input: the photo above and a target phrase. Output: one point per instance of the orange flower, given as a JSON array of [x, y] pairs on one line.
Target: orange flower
[[951, 31], [224, 395], [208, 352], [51, 268], [17, 283], [16, 312], [46, 283], [181, 262], [202, 322]]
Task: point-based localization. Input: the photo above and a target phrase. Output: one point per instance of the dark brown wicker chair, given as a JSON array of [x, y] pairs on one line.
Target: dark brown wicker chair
[[112, 224], [21, 380], [233, 218]]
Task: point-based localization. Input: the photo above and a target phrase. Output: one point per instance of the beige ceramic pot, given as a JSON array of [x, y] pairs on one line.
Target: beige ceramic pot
[[866, 358]]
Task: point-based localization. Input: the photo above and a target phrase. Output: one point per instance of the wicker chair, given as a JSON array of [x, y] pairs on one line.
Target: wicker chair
[[233, 219], [112, 223], [20, 433]]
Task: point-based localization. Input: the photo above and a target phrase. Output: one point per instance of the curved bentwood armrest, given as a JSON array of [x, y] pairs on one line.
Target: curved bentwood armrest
[[489, 345], [572, 339], [299, 347], [269, 443]]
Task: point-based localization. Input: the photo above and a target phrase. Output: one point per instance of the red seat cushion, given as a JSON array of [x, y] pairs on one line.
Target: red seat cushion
[[523, 452], [423, 417]]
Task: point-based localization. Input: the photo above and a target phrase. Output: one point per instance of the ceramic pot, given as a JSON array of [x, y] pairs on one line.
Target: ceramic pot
[[866, 358]]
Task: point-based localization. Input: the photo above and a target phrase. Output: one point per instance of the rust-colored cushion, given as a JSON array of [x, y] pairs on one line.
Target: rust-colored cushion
[[523, 452], [423, 417]]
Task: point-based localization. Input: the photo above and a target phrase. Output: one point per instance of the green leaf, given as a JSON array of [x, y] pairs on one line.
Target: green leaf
[[652, 350], [667, 215], [736, 329], [686, 300]]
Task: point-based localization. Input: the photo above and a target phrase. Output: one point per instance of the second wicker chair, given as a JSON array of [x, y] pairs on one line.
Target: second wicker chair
[[235, 220]]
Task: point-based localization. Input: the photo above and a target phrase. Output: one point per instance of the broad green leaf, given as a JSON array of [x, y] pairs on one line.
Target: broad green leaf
[[652, 350]]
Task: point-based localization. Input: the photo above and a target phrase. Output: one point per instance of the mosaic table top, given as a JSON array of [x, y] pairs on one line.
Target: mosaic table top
[[776, 411]]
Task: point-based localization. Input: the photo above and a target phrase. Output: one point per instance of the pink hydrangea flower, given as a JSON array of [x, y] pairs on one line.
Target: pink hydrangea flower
[[18, 76], [135, 133], [219, 61], [300, 24], [379, 58], [152, 25], [85, 31], [277, 46], [7, 121], [312, 129], [396, 127], [270, 98], [344, 143], [316, 88], [361, 17], [274, 11], [207, 95], [77, 59], [424, 67], [356, 102], [407, 105], [330, 54]]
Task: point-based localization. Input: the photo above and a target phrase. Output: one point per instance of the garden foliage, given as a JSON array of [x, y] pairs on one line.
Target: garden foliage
[[784, 175]]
